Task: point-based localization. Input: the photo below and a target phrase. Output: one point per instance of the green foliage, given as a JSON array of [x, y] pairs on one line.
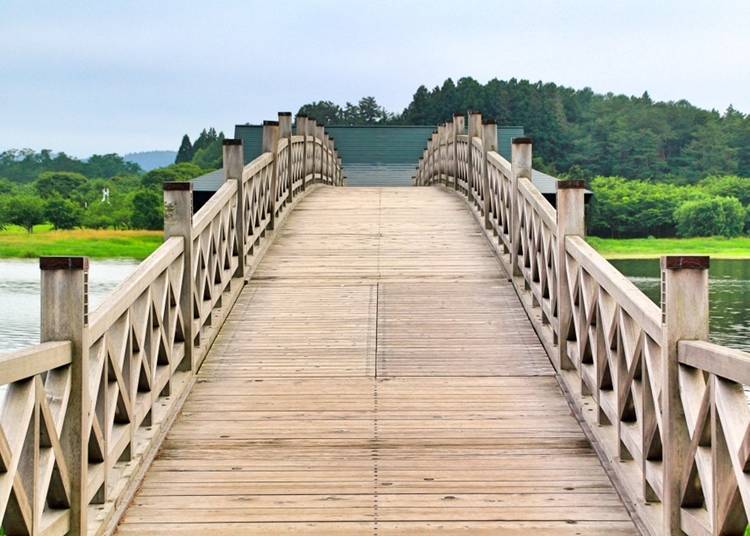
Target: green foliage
[[62, 213], [730, 186], [60, 183], [176, 172], [25, 165], [185, 152], [722, 216], [146, 210], [25, 210], [366, 112], [632, 208]]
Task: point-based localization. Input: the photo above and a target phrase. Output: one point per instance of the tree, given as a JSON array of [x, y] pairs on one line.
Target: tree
[[324, 112], [62, 213], [728, 185], [176, 172], [108, 165], [147, 210], [25, 210], [709, 217], [185, 152], [62, 183]]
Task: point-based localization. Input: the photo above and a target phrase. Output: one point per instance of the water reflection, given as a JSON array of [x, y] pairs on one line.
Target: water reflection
[[729, 296], [20, 302]]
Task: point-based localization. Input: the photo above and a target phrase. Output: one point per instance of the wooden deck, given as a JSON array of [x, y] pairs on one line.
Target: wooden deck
[[377, 376]]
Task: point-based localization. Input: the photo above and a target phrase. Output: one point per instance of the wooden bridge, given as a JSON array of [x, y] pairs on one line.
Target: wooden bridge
[[306, 358]]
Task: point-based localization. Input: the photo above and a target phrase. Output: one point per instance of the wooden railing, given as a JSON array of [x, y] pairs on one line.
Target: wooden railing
[[83, 413], [667, 411]]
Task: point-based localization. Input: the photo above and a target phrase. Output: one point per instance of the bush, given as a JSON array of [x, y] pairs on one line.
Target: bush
[[708, 217], [728, 186]]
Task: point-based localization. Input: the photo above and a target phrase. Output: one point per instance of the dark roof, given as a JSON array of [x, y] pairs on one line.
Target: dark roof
[[210, 182]]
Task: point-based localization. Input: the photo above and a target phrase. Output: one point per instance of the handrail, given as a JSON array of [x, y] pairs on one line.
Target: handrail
[[659, 407], [108, 385]]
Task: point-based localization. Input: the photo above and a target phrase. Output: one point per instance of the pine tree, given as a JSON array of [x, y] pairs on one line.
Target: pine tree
[[185, 153]]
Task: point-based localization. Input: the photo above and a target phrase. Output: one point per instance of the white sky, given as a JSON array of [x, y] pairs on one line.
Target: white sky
[[122, 76]]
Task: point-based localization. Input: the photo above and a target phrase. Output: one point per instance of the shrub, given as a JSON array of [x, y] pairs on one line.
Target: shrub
[[708, 217]]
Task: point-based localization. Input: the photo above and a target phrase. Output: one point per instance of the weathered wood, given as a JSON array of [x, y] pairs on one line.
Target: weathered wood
[[318, 406], [32, 360], [520, 170]]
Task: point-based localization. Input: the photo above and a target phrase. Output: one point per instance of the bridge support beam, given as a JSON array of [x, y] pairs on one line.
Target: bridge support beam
[[300, 129], [570, 222], [234, 163], [271, 145], [684, 305], [489, 143], [520, 170], [178, 221], [64, 316]]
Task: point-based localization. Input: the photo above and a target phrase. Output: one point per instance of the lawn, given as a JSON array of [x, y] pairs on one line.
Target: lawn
[[101, 243], [643, 248]]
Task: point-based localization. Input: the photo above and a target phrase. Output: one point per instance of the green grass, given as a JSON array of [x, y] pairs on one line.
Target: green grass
[[105, 243], [644, 248]]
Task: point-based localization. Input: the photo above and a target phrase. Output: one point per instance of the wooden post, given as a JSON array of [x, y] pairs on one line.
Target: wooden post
[[319, 152], [339, 171], [489, 143], [684, 306], [234, 163], [271, 145], [441, 137], [570, 222], [64, 316], [475, 131], [458, 129], [285, 131], [178, 221], [301, 130], [520, 169]]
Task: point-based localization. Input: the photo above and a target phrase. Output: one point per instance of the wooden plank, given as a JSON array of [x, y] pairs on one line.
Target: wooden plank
[[377, 376]]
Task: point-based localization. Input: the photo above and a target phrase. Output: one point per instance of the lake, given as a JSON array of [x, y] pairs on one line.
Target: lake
[[19, 296], [20, 301]]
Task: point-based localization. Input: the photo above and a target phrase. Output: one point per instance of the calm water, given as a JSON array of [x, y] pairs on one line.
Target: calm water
[[20, 302], [729, 296], [19, 296]]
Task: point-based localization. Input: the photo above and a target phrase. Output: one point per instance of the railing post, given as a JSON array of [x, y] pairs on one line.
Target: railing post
[[285, 131], [520, 169], [570, 222], [684, 305], [489, 143], [178, 221], [458, 129], [300, 125], [441, 137], [271, 145], [64, 316], [475, 131], [339, 171], [234, 163]]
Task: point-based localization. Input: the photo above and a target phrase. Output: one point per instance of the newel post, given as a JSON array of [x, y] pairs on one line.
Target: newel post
[[570, 222], [178, 221], [300, 126], [234, 163], [458, 129], [285, 131], [489, 143], [64, 316], [271, 145], [684, 307], [520, 169], [475, 131]]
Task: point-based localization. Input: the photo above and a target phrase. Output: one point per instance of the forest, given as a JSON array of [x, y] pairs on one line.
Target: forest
[[643, 159], [101, 192], [656, 168]]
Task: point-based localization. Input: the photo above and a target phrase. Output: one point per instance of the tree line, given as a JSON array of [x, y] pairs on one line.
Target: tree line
[[103, 191]]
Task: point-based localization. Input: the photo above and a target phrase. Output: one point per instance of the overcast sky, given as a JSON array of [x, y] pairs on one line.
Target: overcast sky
[[121, 76]]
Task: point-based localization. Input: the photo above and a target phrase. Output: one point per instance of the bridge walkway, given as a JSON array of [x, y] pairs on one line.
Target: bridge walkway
[[378, 375]]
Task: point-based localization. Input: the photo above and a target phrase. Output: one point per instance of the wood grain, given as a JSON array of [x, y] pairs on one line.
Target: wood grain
[[377, 376]]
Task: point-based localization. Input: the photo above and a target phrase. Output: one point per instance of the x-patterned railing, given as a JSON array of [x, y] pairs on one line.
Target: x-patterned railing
[[667, 411]]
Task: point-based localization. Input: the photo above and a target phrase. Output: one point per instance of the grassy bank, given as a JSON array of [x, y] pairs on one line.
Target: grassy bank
[[644, 248], [16, 242]]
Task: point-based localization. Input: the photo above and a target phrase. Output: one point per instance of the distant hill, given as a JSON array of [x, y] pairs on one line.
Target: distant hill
[[149, 160]]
